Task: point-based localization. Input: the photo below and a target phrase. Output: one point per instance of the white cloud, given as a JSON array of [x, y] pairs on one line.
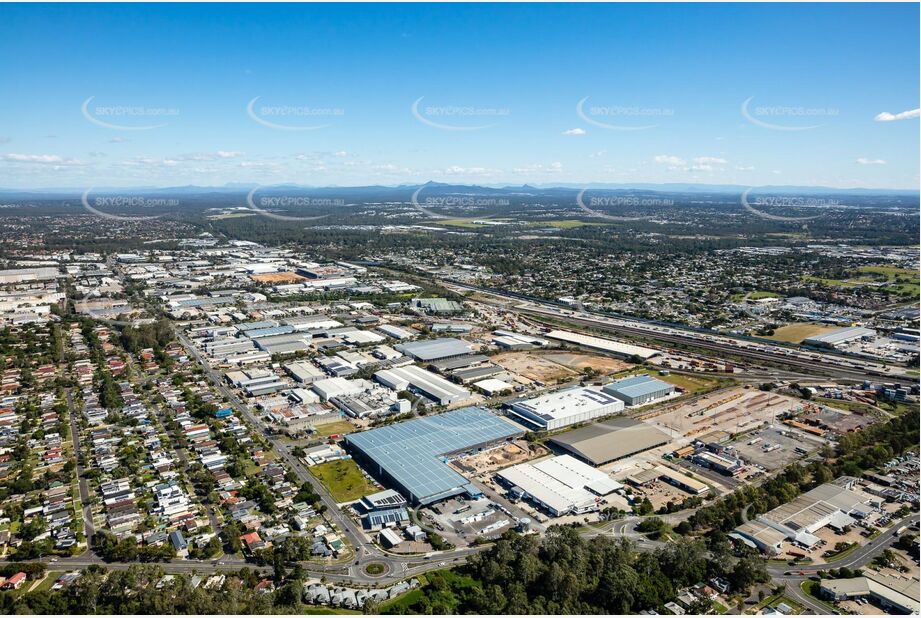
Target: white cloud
[[228, 154], [340, 153], [701, 168], [40, 159], [710, 161], [866, 161], [745, 168], [670, 160], [887, 117], [553, 168], [119, 140], [457, 170], [576, 131], [600, 153]]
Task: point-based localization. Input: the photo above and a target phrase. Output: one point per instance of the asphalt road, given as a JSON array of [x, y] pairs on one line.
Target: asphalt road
[[85, 498]]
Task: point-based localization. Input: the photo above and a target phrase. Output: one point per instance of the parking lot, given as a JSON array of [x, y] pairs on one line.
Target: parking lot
[[774, 447]]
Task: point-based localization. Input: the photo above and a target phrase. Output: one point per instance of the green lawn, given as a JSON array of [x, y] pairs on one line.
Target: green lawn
[[468, 222], [343, 479], [902, 281], [756, 295], [334, 428], [794, 333], [567, 224], [811, 587]]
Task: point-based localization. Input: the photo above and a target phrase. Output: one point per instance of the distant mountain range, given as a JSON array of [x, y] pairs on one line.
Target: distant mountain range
[[384, 192]]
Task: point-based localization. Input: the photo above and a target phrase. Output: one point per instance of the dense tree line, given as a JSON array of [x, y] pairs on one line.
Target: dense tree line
[[564, 573]]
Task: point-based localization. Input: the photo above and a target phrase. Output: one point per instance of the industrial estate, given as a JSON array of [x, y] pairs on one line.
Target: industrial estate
[[460, 309], [358, 431]]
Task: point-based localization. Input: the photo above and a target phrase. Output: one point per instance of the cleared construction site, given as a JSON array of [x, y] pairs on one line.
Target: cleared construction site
[[717, 416]]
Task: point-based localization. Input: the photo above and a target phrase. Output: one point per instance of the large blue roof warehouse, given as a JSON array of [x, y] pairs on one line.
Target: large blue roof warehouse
[[412, 456]]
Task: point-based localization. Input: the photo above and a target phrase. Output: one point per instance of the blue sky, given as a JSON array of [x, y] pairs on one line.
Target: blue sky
[[131, 95]]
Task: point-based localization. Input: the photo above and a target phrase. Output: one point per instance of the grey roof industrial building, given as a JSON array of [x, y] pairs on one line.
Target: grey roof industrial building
[[637, 390], [842, 335], [412, 456], [831, 504], [611, 440], [434, 349]]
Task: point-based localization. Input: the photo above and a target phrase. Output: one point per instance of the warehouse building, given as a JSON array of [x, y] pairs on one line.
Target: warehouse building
[[560, 485], [439, 306], [434, 349], [417, 380], [619, 348], [611, 440], [509, 340], [312, 323], [639, 390], [566, 407], [894, 594], [411, 456], [396, 332], [672, 477], [304, 372], [339, 387], [840, 336], [832, 504]]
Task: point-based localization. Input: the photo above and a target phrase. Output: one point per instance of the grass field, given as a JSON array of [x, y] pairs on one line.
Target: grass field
[[794, 333], [343, 479], [336, 427], [468, 222], [756, 295], [690, 384], [567, 224], [903, 281]]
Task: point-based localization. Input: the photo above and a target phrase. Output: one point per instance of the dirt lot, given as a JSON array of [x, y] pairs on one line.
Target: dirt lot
[[578, 362], [734, 410], [502, 456], [533, 367], [660, 493], [277, 278], [556, 366]]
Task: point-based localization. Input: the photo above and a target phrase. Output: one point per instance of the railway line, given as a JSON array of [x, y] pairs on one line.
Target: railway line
[[815, 364]]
